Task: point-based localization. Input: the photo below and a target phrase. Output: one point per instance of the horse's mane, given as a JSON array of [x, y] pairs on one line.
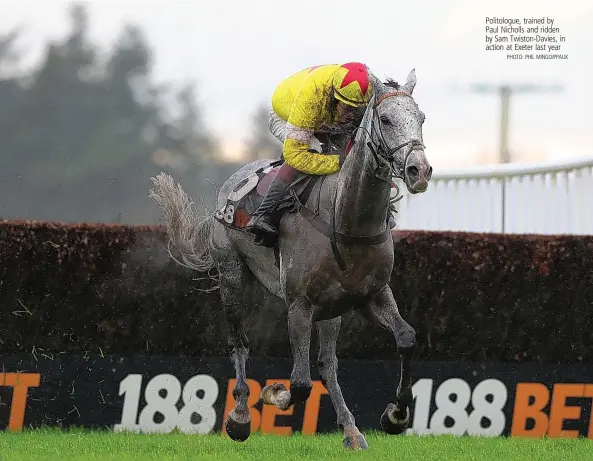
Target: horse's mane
[[392, 83]]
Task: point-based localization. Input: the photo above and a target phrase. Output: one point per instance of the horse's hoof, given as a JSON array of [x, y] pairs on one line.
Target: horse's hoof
[[269, 393], [355, 442], [393, 422], [239, 432]]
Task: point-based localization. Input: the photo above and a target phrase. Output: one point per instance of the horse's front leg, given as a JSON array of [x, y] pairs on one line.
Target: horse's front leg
[[300, 319], [327, 361], [383, 309]]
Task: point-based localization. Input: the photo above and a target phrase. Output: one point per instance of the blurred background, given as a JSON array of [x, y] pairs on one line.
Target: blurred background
[[97, 97]]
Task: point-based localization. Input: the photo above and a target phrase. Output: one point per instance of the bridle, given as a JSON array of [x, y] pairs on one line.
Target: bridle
[[380, 149]]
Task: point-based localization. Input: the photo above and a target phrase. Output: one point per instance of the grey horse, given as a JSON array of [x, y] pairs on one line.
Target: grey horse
[[319, 277]]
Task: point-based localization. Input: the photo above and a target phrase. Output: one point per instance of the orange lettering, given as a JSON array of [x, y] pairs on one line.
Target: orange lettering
[[20, 382], [269, 413], [589, 393], [311, 416], [254, 390], [266, 421], [524, 411], [559, 411]]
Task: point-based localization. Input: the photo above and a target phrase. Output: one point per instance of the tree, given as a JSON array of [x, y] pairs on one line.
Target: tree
[[86, 128]]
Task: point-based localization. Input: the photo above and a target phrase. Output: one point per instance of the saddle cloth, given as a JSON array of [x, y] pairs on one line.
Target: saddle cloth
[[246, 197]]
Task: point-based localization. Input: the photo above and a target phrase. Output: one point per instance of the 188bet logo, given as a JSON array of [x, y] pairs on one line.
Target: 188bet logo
[[452, 400], [162, 395], [167, 404]]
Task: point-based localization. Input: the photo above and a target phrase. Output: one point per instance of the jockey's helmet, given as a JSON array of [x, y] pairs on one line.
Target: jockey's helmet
[[352, 85]]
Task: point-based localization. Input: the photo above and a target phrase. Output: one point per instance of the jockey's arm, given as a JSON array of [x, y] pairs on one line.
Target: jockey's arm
[[304, 117]]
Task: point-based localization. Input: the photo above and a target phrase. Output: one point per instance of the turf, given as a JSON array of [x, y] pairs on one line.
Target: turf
[[49, 445]]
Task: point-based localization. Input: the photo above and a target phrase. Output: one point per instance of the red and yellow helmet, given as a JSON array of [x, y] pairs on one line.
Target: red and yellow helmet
[[352, 85]]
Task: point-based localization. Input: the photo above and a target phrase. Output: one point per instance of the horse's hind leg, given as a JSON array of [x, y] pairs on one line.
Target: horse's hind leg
[[235, 281], [327, 361], [238, 422]]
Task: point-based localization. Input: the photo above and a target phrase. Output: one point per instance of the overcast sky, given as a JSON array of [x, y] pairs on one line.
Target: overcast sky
[[239, 51]]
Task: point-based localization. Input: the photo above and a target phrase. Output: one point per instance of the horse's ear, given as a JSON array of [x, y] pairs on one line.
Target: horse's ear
[[410, 82]]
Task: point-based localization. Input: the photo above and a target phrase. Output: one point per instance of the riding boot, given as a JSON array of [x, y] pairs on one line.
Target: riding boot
[[264, 220]]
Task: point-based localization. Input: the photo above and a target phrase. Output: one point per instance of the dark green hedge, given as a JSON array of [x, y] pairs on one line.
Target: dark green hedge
[[99, 289]]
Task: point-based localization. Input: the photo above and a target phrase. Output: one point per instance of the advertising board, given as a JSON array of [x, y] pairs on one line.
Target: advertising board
[[160, 394]]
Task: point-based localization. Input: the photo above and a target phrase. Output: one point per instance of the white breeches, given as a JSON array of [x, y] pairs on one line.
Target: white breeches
[[278, 129]]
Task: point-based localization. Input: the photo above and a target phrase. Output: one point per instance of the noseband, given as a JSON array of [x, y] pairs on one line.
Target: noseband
[[381, 149]]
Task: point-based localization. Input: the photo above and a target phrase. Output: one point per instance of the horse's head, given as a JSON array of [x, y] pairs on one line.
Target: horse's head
[[397, 132]]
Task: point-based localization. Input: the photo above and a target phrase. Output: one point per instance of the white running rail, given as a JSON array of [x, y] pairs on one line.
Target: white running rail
[[556, 198]]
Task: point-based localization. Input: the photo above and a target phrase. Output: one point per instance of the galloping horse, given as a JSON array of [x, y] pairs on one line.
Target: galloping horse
[[326, 262]]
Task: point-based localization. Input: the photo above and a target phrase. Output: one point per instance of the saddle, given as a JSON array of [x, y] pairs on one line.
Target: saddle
[[246, 197]]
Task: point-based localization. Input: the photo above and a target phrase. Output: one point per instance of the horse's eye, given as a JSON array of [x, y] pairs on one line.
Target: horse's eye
[[384, 120]]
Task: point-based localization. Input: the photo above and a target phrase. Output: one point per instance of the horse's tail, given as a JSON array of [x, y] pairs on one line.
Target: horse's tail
[[189, 232]]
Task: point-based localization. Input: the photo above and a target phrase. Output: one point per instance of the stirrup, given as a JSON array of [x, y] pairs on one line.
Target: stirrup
[[258, 229], [264, 218], [264, 237]]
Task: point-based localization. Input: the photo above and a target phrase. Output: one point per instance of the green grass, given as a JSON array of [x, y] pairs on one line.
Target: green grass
[[49, 445]]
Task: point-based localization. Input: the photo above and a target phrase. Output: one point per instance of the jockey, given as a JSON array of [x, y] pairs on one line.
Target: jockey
[[315, 102]]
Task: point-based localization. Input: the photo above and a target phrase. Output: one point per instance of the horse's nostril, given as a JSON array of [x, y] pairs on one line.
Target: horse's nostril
[[412, 171], [429, 174]]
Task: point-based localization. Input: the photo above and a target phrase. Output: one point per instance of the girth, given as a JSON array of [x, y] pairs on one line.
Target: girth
[[329, 230]]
